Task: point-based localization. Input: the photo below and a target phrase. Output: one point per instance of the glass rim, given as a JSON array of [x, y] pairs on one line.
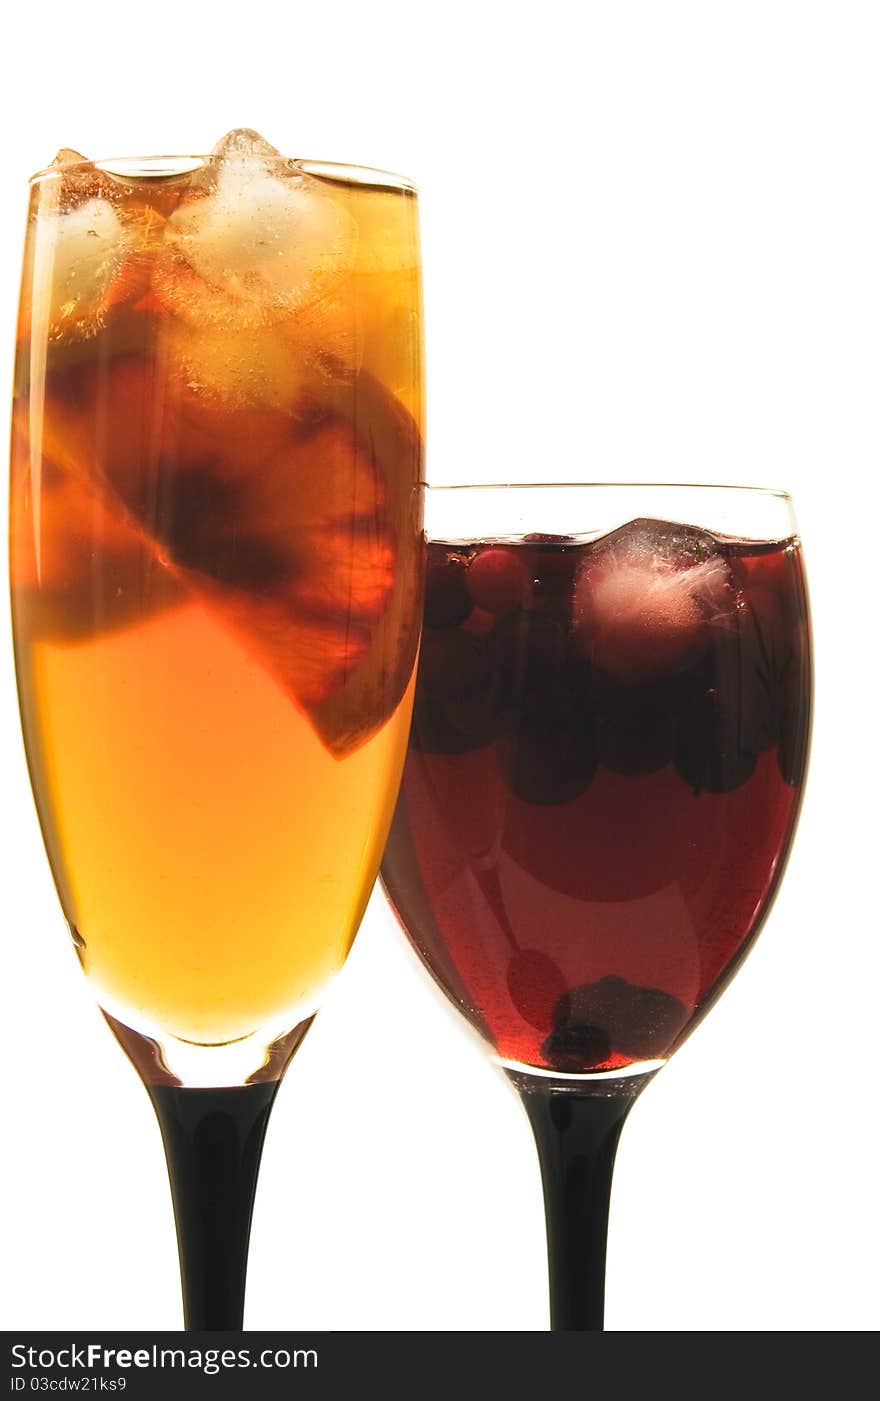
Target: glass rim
[[778, 493], [169, 166]]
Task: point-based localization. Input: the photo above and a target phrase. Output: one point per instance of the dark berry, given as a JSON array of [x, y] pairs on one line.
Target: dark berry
[[576, 1047], [529, 653], [794, 744], [476, 717], [433, 731], [447, 601], [635, 729], [744, 688], [714, 751], [796, 677], [654, 1020], [639, 1022], [547, 761], [452, 663]]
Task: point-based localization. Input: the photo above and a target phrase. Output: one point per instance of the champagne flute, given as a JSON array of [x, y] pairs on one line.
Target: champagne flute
[[217, 565], [602, 785]]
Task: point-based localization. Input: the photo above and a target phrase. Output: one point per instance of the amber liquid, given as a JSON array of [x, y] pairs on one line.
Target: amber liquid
[[213, 857], [216, 585]]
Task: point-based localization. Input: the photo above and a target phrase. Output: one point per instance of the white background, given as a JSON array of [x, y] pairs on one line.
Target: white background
[[652, 250]]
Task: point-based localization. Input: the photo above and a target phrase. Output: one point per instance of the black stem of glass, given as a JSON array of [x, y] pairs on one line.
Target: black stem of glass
[[213, 1144], [576, 1131]]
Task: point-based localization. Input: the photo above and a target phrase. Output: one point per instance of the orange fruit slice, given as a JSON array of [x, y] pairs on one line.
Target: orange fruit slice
[[300, 530], [78, 565]]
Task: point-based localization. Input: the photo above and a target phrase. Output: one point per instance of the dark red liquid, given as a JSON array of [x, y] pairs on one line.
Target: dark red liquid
[[604, 772]]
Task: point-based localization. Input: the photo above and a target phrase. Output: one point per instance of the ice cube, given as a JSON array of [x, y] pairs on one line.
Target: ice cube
[[272, 366], [78, 254], [646, 599], [244, 146], [255, 242], [259, 368], [91, 250], [79, 180]]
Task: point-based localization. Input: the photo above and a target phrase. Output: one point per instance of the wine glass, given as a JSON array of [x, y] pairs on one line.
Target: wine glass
[[602, 784], [217, 564]]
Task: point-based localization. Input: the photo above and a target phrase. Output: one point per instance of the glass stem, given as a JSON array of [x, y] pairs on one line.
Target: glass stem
[[576, 1133], [213, 1143]]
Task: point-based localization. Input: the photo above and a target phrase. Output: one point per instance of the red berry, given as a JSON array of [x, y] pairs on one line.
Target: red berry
[[496, 579]]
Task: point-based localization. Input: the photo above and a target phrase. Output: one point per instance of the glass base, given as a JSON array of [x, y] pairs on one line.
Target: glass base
[[627, 1082], [260, 1058]]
